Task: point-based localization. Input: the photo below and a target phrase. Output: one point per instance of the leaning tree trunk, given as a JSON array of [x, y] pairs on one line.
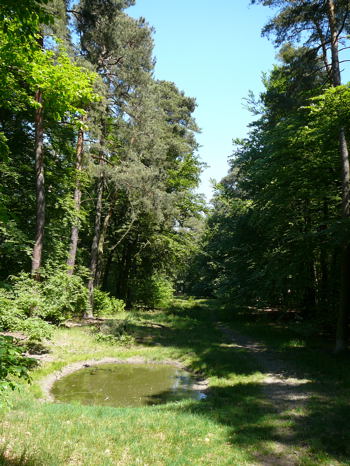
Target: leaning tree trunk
[[40, 186], [94, 248], [344, 308], [77, 202]]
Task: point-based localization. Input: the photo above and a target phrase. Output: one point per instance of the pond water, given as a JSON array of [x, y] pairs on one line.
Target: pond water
[[126, 385]]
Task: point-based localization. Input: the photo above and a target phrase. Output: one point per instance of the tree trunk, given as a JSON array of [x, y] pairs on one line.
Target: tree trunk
[[94, 247], [324, 288], [107, 270], [344, 309], [40, 187], [344, 305], [343, 313], [77, 203], [102, 239]]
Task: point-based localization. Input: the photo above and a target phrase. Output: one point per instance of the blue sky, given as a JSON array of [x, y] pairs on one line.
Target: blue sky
[[215, 53]]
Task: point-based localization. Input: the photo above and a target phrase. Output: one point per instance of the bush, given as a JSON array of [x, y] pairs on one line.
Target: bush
[[12, 364], [36, 329], [153, 292], [106, 305], [15, 311], [64, 296], [115, 332], [10, 315], [27, 305]]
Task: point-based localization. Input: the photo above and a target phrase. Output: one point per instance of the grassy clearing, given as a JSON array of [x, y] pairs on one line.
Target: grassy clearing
[[235, 425]]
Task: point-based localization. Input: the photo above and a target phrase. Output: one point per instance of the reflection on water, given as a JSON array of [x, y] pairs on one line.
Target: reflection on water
[[126, 385]]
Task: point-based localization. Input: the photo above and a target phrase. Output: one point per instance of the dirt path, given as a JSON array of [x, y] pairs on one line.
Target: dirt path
[[286, 392]]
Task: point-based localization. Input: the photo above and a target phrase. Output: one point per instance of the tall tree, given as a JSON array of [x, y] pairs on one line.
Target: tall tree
[[119, 48], [324, 22], [40, 177], [77, 201]]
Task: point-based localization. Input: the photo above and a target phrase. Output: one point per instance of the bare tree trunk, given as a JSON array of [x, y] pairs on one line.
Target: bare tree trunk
[[324, 282], [344, 305], [40, 187], [323, 41], [344, 309], [103, 235], [77, 202], [94, 248]]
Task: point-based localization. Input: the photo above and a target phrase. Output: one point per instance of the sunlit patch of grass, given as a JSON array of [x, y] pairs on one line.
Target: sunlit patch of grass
[[293, 343], [93, 435], [234, 425]]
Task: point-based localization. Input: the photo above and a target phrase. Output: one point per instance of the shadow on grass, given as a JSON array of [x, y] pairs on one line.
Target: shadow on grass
[[320, 425], [5, 459], [236, 400]]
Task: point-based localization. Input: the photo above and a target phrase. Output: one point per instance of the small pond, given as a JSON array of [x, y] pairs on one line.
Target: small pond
[[126, 385]]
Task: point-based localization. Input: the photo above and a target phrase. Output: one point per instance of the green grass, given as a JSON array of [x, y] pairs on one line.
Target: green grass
[[235, 425], [309, 354]]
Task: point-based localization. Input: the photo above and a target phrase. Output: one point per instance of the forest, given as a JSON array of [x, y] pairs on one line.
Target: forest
[[278, 233], [100, 213], [99, 164]]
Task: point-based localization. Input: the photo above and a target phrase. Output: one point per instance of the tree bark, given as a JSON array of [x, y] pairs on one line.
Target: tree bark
[[342, 333], [343, 313], [322, 38], [40, 186], [102, 238], [344, 308], [94, 248], [77, 202]]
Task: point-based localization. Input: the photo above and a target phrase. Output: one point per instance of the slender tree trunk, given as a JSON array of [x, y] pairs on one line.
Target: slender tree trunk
[[102, 239], [344, 305], [344, 309], [107, 270], [94, 247], [40, 187], [77, 202], [324, 280], [345, 173], [323, 41], [325, 272]]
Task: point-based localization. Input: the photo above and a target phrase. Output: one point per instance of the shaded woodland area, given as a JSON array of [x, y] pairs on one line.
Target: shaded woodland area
[[278, 234]]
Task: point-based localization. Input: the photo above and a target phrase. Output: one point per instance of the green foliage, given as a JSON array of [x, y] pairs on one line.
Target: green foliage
[[28, 305], [13, 365], [58, 297], [106, 305], [64, 295], [35, 328], [67, 88], [273, 236], [21, 310], [115, 332], [140, 138], [153, 292]]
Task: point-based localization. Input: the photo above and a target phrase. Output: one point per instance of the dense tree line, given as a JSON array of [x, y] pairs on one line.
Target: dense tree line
[[278, 234], [98, 164]]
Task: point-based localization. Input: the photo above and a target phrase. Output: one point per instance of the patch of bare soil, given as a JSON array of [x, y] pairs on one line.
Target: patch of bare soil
[[286, 392], [84, 322]]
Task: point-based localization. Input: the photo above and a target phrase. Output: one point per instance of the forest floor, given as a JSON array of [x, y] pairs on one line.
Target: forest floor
[[276, 396]]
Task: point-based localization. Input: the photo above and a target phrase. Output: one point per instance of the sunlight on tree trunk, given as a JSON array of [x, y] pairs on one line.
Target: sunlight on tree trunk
[[40, 187], [77, 203]]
